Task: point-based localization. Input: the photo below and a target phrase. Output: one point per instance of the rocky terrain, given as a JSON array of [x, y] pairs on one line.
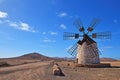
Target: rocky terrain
[[21, 68]]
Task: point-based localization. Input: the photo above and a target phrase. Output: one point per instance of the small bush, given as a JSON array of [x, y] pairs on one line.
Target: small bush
[[25, 62], [4, 64]]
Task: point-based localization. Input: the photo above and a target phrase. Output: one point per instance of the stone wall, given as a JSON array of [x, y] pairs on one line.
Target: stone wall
[[88, 54]]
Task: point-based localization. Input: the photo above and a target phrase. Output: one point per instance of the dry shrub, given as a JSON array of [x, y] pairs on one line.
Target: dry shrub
[[4, 64], [57, 70]]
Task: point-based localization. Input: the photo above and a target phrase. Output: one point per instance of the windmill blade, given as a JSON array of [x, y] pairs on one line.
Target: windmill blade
[[70, 35], [100, 53], [79, 25], [102, 35], [93, 25], [73, 50]]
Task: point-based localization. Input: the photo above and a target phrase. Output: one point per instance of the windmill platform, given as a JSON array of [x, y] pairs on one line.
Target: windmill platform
[[101, 65]]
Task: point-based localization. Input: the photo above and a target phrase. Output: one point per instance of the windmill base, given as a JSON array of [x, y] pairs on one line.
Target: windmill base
[[101, 65]]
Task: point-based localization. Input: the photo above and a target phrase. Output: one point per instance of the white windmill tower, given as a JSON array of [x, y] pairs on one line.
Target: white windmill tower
[[86, 50]]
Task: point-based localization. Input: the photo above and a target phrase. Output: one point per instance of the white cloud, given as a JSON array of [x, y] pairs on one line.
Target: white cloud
[[3, 14], [44, 33], [107, 47], [115, 21], [53, 33], [48, 40], [4, 21], [7, 21], [13, 24], [63, 26], [63, 14], [20, 25], [50, 33], [102, 49], [24, 26]]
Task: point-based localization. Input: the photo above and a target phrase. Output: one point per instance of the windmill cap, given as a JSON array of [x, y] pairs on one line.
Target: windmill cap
[[86, 39]]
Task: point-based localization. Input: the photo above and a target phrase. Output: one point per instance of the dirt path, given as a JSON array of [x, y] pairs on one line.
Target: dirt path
[[81, 73], [43, 71], [33, 71]]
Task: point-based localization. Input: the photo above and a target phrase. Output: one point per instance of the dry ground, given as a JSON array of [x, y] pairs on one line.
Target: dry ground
[[43, 71], [18, 61]]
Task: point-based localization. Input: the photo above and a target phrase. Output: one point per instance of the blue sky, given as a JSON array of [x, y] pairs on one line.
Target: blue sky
[[38, 25]]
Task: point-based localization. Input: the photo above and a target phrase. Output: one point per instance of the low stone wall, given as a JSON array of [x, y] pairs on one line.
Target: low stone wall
[[101, 65]]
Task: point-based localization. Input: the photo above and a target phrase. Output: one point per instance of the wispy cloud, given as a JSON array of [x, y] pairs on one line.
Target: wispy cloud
[[102, 49], [63, 14], [25, 27], [53, 33], [46, 40], [107, 47], [17, 25], [13, 24], [50, 33], [63, 26], [3, 14], [43, 33], [115, 21], [21, 26]]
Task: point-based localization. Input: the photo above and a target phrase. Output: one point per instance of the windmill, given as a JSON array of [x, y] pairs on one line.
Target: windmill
[[86, 50]]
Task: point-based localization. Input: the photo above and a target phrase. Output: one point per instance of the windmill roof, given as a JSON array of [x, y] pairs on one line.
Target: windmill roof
[[86, 39]]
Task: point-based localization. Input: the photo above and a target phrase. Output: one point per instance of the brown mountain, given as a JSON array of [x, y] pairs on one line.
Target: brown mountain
[[34, 56], [38, 56], [107, 59]]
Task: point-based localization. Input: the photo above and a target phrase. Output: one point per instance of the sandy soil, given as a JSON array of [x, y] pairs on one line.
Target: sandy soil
[[43, 71]]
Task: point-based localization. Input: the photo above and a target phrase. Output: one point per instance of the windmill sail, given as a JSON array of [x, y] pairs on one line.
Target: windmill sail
[[70, 35], [79, 25], [102, 35], [73, 50], [93, 25]]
